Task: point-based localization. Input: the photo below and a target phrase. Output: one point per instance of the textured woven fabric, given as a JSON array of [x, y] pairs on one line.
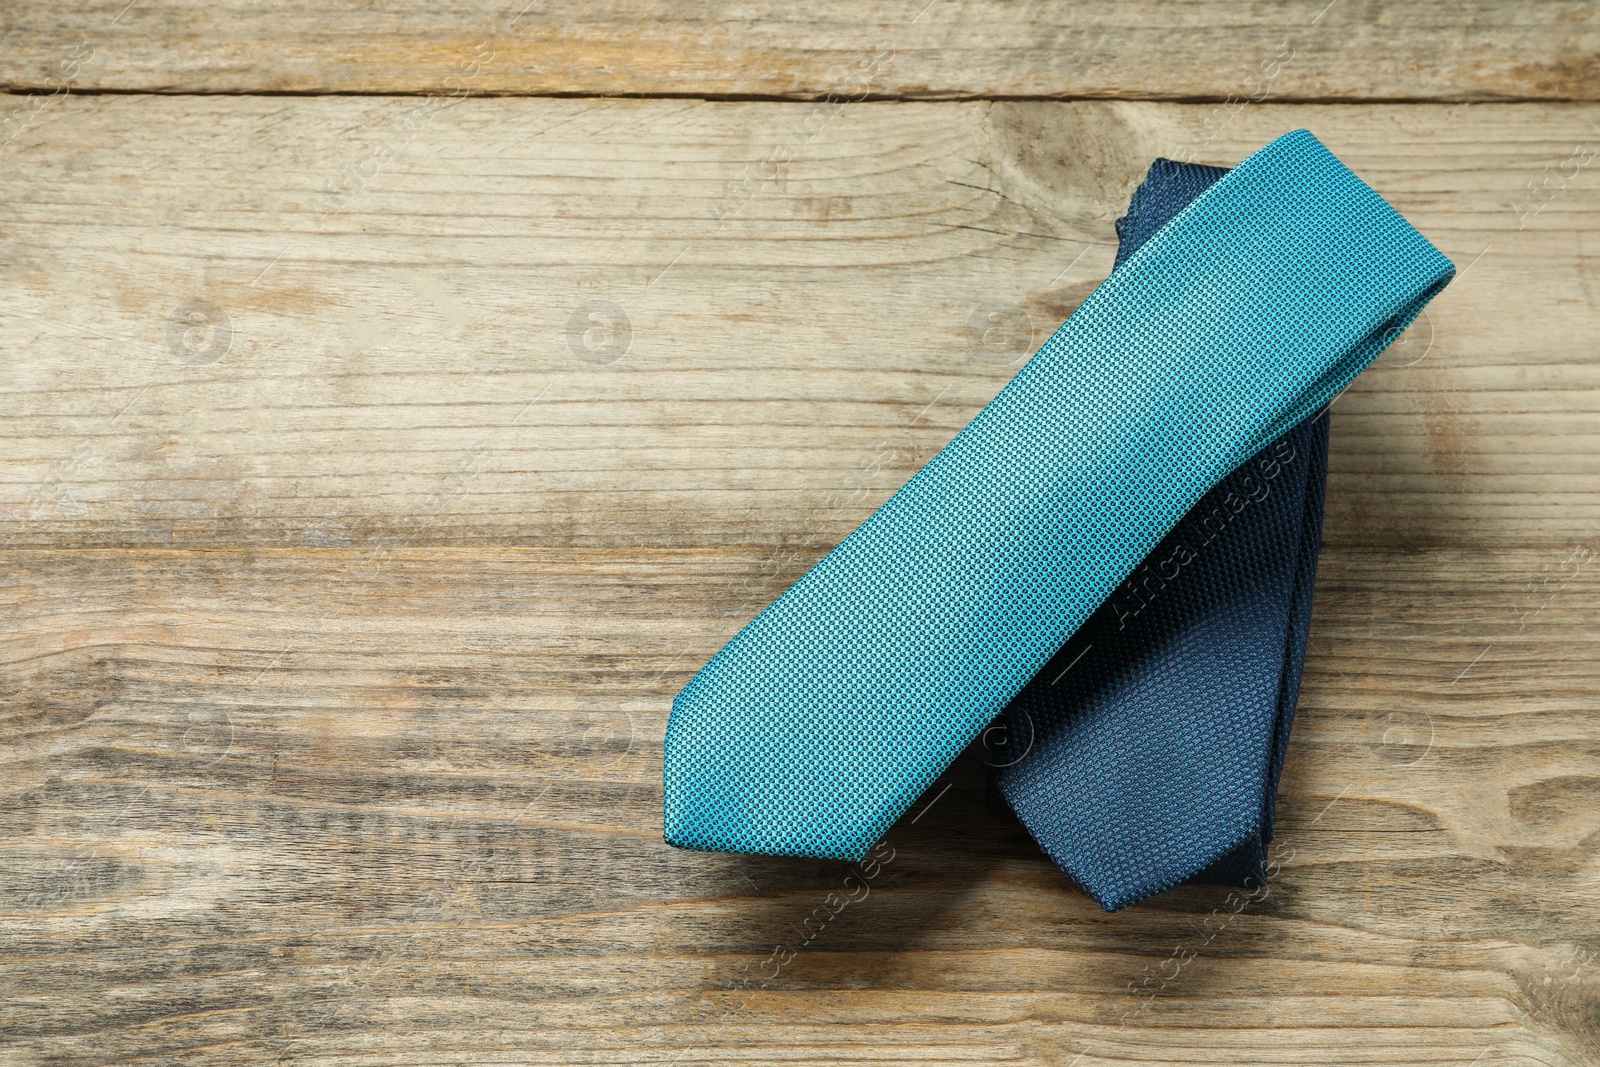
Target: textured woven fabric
[[1148, 751], [831, 711]]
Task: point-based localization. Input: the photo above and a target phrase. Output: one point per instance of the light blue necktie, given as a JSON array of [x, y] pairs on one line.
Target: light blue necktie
[[825, 717]]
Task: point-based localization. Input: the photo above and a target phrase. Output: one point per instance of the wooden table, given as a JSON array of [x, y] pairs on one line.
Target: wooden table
[[401, 402]]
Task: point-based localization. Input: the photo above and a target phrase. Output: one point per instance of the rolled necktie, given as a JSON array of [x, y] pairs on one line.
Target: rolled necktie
[[823, 719], [1148, 751]]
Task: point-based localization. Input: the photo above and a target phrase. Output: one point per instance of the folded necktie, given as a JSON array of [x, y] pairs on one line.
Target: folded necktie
[[1148, 752], [822, 720]]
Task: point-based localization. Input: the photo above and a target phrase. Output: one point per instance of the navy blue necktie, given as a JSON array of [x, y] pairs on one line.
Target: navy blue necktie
[[967, 593], [1147, 752]]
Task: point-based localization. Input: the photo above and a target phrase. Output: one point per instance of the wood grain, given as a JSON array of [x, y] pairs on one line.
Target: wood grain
[[378, 468], [1301, 50], [417, 358], [272, 805]]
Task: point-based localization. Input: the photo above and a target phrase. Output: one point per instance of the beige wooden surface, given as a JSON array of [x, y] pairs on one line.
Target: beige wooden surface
[[1312, 49], [339, 640], [400, 367]]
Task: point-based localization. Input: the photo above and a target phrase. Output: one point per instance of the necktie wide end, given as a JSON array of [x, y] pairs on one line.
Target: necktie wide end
[[711, 803], [699, 835]]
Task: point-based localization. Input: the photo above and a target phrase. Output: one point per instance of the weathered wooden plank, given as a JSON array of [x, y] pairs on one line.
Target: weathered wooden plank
[[1290, 49], [274, 806], [366, 323]]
